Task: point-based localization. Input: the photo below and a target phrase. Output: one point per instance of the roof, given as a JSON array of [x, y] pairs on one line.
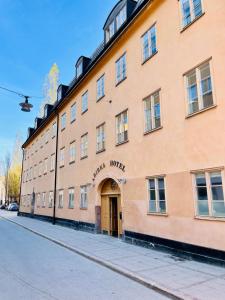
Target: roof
[[98, 53]]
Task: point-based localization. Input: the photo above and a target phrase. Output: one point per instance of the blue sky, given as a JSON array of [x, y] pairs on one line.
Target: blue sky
[[34, 35]]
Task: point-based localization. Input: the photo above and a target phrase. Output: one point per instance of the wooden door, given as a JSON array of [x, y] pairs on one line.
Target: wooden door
[[105, 215]]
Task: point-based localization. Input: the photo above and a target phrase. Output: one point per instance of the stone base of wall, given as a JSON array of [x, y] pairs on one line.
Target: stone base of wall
[[77, 225], [180, 249]]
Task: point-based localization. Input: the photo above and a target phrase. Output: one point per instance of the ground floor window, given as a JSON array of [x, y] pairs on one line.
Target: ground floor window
[[60, 199], [156, 191], [71, 198], [50, 199], [83, 197], [209, 194]]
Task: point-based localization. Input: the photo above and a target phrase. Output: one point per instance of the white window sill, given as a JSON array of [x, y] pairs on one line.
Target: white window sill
[[210, 218], [157, 214]]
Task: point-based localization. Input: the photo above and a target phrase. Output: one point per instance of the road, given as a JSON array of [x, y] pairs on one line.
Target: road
[[33, 268]]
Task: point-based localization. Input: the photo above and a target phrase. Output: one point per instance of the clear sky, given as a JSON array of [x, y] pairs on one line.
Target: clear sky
[[34, 34]]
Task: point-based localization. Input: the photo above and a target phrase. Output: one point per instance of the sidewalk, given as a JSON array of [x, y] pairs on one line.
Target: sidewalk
[[185, 279]]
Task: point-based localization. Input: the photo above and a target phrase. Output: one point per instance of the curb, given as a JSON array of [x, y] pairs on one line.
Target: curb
[[151, 285]]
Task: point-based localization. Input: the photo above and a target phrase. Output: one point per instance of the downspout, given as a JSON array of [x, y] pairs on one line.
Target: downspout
[[21, 180], [56, 167]]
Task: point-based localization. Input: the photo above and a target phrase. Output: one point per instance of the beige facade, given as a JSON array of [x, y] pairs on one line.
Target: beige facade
[[2, 190], [157, 172]]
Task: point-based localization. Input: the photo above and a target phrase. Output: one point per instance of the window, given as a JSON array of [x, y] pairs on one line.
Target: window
[[38, 200], [121, 69], [152, 112], [84, 146], [85, 102], [83, 197], [209, 194], [50, 199], [72, 152], [43, 199], [52, 163], [190, 9], [101, 87], [79, 69], [110, 31], [35, 171], [199, 88], [157, 199], [121, 17], [100, 135], [46, 136], [60, 199], [62, 157], [71, 198], [122, 127], [73, 112], [63, 121], [40, 168], [46, 166], [149, 43], [54, 128], [31, 173]]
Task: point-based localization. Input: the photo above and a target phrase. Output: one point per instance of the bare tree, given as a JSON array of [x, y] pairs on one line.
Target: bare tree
[[6, 166]]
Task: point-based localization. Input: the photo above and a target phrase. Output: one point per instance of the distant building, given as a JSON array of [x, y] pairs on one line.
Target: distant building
[[135, 145]]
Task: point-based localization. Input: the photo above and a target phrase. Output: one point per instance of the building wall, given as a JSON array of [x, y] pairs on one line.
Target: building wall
[[182, 145], [2, 190]]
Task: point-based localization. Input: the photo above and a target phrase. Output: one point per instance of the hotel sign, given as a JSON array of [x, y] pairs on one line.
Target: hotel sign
[[113, 164]]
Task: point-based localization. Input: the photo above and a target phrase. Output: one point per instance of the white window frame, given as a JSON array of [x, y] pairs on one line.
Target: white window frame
[[61, 199], [63, 121], [150, 48], [121, 68], [101, 87], [156, 180], [73, 112], [209, 192], [151, 99], [79, 69], [50, 199], [45, 166], [100, 138], [71, 198], [121, 17], [72, 151], [40, 169], [52, 163], [54, 128], [46, 136], [192, 13], [43, 200], [122, 127], [62, 157], [84, 197], [110, 31], [197, 71], [84, 102], [84, 146]]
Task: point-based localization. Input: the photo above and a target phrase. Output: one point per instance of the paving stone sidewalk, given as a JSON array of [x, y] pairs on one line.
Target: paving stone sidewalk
[[185, 279]]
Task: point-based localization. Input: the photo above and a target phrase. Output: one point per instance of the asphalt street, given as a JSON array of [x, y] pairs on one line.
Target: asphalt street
[[33, 268]]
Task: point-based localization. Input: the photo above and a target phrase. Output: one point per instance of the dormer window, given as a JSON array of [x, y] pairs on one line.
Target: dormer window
[[46, 111], [79, 69], [121, 17], [110, 32]]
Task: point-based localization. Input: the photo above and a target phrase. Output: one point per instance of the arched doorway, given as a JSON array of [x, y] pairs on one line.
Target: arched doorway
[[111, 212]]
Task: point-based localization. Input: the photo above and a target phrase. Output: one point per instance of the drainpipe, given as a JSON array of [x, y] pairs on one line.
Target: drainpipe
[[21, 179], [56, 167]]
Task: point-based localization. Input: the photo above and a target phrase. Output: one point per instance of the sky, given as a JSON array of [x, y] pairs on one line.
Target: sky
[[34, 34]]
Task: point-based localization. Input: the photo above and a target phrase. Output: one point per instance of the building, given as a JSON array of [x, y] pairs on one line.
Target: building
[[2, 190], [134, 145]]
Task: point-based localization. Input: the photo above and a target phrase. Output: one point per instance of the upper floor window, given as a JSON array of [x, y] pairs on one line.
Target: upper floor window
[[100, 135], [122, 127], [190, 9], [43, 199], [209, 194], [46, 136], [83, 197], [79, 69], [63, 121], [199, 88], [152, 112], [72, 152], [73, 112], [52, 162], [45, 166], [85, 102], [60, 204], [62, 157], [71, 198], [54, 128], [121, 17], [40, 168], [121, 69], [101, 87], [149, 43], [157, 199], [110, 31], [84, 146]]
